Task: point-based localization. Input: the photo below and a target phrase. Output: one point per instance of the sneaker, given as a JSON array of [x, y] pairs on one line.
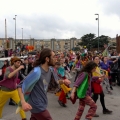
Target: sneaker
[[64, 105], [96, 115], [107, 111]]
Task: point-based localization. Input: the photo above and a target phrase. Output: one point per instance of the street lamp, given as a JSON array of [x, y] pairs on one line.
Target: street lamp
[[22, 35], [15, 30], [98, 29]]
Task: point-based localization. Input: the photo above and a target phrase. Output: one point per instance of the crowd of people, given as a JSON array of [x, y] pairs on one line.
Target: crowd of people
[[26, 81]]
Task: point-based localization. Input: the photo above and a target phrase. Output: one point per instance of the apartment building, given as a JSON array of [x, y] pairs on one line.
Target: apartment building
[[54, 44]]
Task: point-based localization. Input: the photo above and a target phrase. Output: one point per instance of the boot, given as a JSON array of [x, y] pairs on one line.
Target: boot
[[64, 105]]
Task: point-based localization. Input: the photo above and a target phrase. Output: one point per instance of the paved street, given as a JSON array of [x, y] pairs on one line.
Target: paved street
[[68, 113]]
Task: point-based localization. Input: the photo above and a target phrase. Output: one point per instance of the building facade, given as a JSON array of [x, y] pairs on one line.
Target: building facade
[[54, 44]]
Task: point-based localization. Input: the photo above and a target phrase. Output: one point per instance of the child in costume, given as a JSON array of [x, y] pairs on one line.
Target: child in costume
[[64, 87], [82, 88]]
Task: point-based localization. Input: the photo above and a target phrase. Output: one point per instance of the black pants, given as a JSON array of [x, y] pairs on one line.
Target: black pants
[[114, 77], [118, 77], [95, 98]]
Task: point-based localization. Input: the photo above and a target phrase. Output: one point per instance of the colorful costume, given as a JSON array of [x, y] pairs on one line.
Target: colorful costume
[[9, 90], [83, 85], [65, 87], [96, 85], [30, 81], [27, 85]]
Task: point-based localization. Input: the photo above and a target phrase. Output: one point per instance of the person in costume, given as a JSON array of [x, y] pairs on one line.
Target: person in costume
[[84, 60], [82, 87], [97, 88], [8, 85], [85, 50], [61, 73], [78, 66], [105, 65], [33, 89], [3, 69]]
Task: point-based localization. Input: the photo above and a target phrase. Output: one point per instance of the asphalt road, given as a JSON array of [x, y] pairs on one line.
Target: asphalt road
[[59, 113]]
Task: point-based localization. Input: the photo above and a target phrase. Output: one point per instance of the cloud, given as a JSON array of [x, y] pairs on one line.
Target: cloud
[[47, 27], [44, 27], [110, 7], [59, 18]]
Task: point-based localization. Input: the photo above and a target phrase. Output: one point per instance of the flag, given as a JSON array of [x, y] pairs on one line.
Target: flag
[[106, 52]]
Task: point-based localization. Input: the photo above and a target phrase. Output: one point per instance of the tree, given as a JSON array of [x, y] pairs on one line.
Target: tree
[[91, 41], [102, 40], [87, 40]]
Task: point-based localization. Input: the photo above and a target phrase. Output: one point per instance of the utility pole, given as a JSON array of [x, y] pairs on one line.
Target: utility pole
[[5, 41], [15, 31], [22, 35], [98, 29]]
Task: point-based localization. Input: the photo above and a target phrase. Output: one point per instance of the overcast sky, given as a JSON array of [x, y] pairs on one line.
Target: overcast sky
[[46, 19]]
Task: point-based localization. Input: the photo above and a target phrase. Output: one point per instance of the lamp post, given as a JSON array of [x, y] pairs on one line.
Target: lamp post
[[22, 35], [15, 30], [98, 29]]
